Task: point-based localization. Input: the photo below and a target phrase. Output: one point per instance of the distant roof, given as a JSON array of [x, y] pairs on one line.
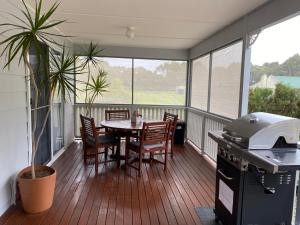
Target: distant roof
[[291, 81]]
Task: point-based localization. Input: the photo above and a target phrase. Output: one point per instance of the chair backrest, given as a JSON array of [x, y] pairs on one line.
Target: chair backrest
[[120, 114], [89, 130], [155, 132], [172, 119]]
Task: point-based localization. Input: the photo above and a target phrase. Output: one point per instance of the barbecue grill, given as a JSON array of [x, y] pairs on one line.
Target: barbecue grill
[[256, 163]]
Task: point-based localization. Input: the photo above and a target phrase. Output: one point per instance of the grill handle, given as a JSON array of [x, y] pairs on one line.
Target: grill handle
[[232, 138], [224, 176]]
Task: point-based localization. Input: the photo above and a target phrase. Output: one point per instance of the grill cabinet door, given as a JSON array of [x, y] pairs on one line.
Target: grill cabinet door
[[262, 208], [228, 180]]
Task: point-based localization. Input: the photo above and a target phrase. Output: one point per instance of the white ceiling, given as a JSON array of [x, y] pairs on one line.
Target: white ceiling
[[173, 24]]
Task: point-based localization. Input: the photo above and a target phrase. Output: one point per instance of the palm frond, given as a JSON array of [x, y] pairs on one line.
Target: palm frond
[[91, 55], [62, 71], [32, 30], [98, 85]]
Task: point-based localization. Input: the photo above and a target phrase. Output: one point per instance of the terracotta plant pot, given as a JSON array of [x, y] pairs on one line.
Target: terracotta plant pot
[[37, 194]]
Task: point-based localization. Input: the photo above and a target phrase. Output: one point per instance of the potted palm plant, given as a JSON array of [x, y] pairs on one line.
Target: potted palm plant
[[36, 182]]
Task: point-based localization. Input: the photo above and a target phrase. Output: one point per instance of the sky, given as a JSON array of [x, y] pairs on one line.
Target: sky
[[277, 43]]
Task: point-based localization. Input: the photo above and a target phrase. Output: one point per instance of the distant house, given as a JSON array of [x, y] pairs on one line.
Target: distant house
[[271, 81]]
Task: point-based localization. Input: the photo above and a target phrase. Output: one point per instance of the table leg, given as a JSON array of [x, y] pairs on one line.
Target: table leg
[[121, 157]]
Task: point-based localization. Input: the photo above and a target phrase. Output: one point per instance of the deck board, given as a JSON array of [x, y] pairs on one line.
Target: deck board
[[115, 198]]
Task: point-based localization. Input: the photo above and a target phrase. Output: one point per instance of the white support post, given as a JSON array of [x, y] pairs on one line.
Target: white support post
[[245, 76]]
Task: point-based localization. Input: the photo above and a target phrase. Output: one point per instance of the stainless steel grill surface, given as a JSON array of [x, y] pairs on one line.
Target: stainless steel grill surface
[[262, 130]]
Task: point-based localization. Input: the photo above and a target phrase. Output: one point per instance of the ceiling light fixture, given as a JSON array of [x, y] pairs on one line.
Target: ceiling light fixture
[[130, 32]]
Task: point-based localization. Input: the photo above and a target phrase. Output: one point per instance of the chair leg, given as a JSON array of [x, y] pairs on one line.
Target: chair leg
[[166, 158], [84, 156], [113, 150], [126, 157], [151, 157], [172, 146], [118, 154], [96, 162], [140, 162], [105, 153]]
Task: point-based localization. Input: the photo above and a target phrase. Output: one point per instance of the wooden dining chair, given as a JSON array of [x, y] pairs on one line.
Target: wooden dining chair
[[94, 140], [173, 121], [120, 114], [154, 138]]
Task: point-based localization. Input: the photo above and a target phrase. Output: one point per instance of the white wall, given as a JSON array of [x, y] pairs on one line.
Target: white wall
[[69, 119], [13, 129], [14, 144], [69, 122], [13, 123]]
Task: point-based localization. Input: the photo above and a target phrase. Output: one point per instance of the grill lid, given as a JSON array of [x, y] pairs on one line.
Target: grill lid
[[262, 130]]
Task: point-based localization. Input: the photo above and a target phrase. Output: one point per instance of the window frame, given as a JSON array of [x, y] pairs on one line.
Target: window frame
[[210, 53]]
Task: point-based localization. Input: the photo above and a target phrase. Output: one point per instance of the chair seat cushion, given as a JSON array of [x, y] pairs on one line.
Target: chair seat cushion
[[136, 144], [104, 139]]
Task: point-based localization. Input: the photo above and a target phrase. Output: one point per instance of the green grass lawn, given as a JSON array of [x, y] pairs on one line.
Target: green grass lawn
[[140, 97]]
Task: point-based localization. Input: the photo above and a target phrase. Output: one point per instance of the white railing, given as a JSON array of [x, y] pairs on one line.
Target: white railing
[[149, 112], [199, 123]]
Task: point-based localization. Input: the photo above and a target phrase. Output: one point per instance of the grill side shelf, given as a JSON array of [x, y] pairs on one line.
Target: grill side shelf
[[285, 159], [261, 162]]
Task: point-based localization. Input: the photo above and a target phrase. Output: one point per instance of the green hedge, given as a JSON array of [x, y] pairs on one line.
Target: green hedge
[[284, 100]]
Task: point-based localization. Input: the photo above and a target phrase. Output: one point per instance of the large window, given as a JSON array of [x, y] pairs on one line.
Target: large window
[[275, 70], [159, 82], [155, 82], [225, 80], [119, 77], [199, 87]]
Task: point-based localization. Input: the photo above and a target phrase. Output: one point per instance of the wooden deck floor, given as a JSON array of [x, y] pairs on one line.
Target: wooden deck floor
[[113, 197]]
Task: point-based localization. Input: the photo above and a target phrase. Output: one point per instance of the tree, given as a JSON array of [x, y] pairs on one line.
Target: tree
[[258, 99], [285, 101], [290, 67]]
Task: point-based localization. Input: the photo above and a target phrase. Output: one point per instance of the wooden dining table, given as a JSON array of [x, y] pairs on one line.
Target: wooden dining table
[[124, 126]]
